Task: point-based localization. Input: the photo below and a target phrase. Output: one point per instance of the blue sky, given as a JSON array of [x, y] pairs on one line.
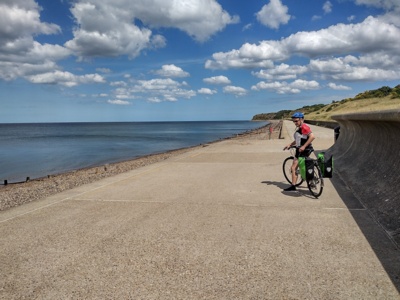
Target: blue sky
[[189, 60]]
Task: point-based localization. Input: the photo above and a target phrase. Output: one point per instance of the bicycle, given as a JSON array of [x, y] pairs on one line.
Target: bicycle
[[315, 184]]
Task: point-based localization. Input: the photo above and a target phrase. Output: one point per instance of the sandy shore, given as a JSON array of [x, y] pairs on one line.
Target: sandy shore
[[13, 195]]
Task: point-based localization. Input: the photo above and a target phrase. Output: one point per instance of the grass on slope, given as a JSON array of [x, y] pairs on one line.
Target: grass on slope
[[352, 106], [384, 98]]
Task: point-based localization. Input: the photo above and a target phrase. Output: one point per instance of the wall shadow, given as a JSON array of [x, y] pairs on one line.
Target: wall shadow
[[385, 248]]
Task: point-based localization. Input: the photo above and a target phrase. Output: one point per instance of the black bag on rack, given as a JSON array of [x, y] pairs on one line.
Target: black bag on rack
[[309, 168], [325, 164]]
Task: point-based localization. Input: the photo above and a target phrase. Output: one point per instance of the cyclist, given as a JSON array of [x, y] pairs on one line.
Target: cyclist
[[303, 138]]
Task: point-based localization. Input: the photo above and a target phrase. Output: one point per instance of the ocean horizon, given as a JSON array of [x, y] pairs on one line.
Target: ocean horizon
[[37, 150]]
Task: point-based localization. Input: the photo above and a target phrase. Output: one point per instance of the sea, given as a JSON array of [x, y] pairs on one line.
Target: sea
[[41, 149]]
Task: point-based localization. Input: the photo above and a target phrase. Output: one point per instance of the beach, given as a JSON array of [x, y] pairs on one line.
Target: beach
[[13, 195]]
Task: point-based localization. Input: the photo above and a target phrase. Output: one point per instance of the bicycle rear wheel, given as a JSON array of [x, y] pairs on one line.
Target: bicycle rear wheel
[[287, 171], [316, 185]]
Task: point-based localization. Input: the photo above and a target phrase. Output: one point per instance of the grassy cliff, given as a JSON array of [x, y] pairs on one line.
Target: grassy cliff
[[383, 98]]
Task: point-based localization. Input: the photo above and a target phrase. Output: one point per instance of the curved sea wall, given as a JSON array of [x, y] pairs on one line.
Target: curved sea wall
[[367, 157], [327, 124]]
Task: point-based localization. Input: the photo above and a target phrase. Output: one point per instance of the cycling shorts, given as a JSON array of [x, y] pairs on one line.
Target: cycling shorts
[[305, 153]]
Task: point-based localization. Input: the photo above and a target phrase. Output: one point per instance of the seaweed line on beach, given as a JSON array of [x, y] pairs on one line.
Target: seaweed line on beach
[[16, 194]]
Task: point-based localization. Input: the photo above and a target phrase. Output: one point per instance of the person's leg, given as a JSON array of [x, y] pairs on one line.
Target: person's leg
[[294, 169], [294, 176]]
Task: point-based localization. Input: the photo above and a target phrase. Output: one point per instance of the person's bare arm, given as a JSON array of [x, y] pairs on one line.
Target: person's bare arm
[[290, 145]]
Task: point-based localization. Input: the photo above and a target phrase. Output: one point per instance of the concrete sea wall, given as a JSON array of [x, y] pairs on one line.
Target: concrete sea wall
[[327, 124], [367, 157]]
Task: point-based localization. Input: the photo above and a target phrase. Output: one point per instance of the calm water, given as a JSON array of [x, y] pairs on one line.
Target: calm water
[[38, 150]]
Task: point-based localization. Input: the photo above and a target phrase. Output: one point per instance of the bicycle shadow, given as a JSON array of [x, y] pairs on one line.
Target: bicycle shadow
[[300, 192]]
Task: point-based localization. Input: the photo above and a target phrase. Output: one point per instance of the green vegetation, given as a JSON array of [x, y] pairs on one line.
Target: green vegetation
[[287, 113], [379, 99], [380, 93]]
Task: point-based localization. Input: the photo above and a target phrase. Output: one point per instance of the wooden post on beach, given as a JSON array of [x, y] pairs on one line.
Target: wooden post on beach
[[5, 182], [280, 128]]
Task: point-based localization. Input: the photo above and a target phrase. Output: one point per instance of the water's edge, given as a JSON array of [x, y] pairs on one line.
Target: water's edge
[[21, 179]]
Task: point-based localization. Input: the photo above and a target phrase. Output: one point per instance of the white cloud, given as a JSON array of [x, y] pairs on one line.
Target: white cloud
[[11, 70], [305, 85], [107, 28], [22, 19], [365, 68], [198, 18], [249, 56], [284, 87], [235, 90], [122, 96], [315, 18], [341, 39], [158, 41], [339, 87], [278, 87], [20, 55], [335, 41], [351, 18], [65, 78], [217, 80], [374, 60], [327, 7], [385, 4], [273, 14], [155, 90], [247, 27], [103, 70], [172, 71], [206, 91], [154, 100], [118, 83], [157, 84], [118, 102], [281, 72]]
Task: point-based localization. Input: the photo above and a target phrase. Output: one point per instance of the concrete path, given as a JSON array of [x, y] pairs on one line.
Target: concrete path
[[212, 223]]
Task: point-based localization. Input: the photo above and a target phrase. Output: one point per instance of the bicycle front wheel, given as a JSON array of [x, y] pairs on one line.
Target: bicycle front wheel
[[316, 185], [287, 171]]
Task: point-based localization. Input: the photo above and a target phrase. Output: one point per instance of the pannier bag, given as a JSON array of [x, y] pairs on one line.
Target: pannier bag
[[309, 168], [325, 164], [306, 167], [302, 167]]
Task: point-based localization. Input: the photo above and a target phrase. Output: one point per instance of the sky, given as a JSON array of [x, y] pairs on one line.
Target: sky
[[189, 60]]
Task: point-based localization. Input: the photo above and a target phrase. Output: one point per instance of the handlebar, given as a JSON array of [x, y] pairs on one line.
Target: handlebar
[[291, 147]]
